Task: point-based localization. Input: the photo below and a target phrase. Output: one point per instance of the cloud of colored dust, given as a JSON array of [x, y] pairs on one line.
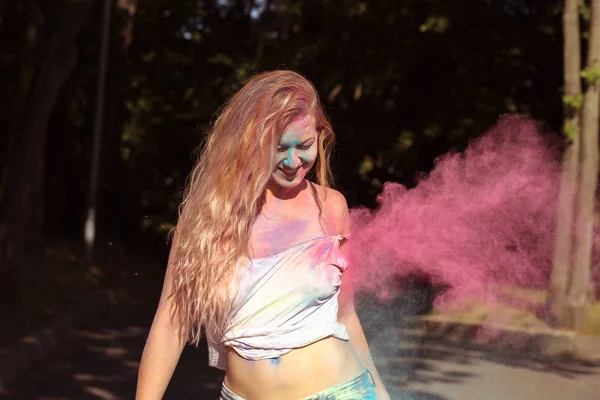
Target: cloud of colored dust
[[481, 220]]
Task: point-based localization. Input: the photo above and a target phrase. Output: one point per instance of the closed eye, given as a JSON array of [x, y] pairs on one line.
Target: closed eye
[[281, 149]]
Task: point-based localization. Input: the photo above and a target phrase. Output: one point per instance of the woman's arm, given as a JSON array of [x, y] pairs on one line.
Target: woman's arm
[[346, 311], [163, 346], [347, 316]]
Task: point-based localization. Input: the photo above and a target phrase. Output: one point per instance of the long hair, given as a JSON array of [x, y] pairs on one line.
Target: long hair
[[225, 192]]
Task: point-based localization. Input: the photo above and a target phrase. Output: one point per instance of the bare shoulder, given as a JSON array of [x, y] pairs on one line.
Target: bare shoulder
[[335, 206]]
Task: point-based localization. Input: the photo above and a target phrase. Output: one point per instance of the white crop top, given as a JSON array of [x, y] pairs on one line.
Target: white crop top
[[285, 301]]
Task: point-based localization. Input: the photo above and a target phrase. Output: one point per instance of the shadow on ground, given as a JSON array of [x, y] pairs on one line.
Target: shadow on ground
[[405, 358], [102, 361]]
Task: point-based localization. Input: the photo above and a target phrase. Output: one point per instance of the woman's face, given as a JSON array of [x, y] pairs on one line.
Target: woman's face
[[296, 153]]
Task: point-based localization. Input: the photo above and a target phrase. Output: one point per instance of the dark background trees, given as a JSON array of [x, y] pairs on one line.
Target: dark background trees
[[403, 82]]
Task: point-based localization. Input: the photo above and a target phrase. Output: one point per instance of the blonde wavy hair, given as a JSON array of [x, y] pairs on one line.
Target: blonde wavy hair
[[225, 192]]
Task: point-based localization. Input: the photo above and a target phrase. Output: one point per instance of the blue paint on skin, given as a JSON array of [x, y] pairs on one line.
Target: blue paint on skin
[[280, 225], [275, 361], [295, 150], [296, 153]]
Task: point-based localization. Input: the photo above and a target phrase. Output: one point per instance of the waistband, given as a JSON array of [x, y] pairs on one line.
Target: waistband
[[364, 378]]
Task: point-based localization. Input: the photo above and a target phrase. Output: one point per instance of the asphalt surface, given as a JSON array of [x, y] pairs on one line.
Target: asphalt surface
[[102, 361]]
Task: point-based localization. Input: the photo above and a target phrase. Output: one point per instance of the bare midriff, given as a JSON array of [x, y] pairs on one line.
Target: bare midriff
[[297, 374]]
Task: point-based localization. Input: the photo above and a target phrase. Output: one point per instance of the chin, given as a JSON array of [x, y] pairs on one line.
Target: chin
[[285, 184]]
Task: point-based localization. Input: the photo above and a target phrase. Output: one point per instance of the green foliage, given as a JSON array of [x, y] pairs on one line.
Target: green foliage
[[403, 82], [574, 101], [222, 59], [405, 141], [366, 166], [360, 8], [585, 10], [591, 75], [570, 130], [436, 24]]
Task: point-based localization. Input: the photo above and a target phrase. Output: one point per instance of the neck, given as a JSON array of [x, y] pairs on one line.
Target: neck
[[275, 192]]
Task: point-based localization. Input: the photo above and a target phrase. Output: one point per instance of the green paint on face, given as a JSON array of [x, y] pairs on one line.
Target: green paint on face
[[296, 153]]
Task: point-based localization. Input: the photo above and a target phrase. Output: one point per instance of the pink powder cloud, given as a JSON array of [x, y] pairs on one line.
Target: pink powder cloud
[[481, 219]]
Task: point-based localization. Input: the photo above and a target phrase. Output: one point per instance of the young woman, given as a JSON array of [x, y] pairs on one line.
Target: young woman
[[259, 258]]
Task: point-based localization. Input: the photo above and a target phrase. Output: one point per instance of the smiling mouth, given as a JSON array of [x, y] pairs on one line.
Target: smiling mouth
[[288, 173]]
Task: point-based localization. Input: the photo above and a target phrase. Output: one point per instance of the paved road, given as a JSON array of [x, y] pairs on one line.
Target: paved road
[[430, 369], [101, 363]]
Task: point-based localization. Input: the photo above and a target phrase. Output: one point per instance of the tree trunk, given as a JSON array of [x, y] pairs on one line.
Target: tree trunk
[[23, 187], [117, 85], [3, 12], [31, 44], [559, 278], [261, 42], [581, 280]]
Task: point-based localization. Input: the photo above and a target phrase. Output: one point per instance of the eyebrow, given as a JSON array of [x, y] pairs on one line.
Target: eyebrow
[[304, 142]]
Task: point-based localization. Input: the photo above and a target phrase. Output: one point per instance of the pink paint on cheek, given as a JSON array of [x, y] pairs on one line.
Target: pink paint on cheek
[[481, 220]]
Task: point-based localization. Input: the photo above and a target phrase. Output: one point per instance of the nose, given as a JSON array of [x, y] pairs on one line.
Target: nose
[[292, 161]]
